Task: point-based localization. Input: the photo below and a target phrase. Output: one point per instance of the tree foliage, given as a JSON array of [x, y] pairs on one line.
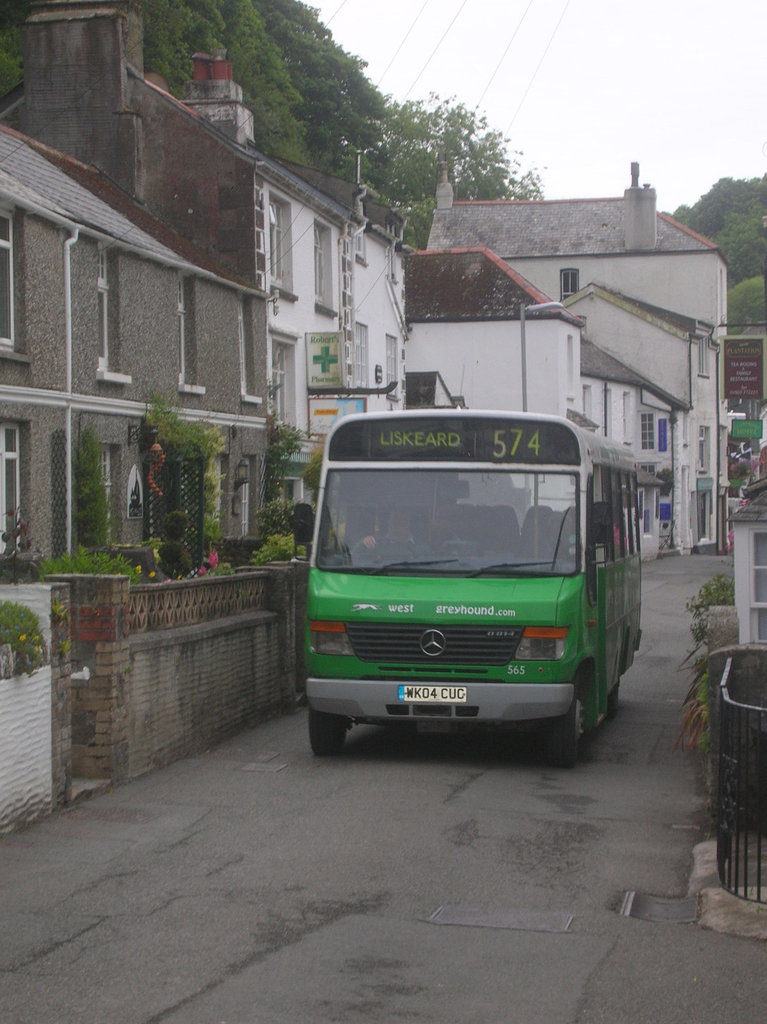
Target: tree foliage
[[730, 214], [745, 304], [405, 166], [313, 103]]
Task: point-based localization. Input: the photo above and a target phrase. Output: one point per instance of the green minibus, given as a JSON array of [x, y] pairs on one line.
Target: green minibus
[[469, 570]]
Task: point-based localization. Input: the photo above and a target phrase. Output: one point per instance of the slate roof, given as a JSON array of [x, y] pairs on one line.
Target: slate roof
[[467, 285], [596, 362], [517, 229], [345, 193], [670, 318], [35, 176]]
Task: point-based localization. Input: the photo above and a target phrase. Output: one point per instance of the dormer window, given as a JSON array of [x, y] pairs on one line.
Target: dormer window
[[568, 283]]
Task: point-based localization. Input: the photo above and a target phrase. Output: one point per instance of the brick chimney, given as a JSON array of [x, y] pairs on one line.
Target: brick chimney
[[639, 215], [444, 188], [76, 59], [215, 96]]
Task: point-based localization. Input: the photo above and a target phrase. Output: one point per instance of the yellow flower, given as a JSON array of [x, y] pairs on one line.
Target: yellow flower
[[138, 568], [22, 638], [152, 574]]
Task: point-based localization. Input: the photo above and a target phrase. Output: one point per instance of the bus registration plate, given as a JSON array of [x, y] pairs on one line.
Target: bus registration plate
[[430, 694]]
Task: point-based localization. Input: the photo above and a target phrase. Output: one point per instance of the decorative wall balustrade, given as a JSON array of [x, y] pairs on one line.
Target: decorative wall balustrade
[[186, 602]]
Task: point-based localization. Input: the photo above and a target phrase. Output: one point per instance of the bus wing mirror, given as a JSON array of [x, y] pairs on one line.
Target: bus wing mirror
[[601, 522], [303, 523]]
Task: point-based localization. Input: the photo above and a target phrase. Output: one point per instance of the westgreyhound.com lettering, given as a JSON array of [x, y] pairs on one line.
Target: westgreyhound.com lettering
[[420, 439]]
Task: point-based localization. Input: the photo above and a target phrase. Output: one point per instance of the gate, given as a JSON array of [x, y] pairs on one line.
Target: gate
[[741, 846], [176, 484]]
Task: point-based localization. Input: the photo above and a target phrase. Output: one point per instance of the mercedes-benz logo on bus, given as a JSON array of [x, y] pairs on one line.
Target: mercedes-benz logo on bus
[[433, 643]]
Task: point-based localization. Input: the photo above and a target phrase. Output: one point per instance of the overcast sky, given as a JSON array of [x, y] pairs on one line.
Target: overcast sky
[[584, 87]]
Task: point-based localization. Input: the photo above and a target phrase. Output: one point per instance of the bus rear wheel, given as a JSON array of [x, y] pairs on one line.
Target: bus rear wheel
[[327, 733], [562, 737]]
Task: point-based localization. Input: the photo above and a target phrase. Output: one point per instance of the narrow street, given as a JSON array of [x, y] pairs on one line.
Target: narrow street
[[420, 879]]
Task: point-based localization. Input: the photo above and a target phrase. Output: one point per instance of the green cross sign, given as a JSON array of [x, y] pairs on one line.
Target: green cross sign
[[323, 360]]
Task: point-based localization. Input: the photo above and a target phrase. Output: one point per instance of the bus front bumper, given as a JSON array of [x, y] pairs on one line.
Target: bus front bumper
[[382, 700]]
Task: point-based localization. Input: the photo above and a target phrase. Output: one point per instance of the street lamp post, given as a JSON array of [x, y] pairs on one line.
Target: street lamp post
[[539, 307]]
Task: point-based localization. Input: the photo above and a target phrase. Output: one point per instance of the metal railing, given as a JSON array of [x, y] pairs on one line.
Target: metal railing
[[741, 846]]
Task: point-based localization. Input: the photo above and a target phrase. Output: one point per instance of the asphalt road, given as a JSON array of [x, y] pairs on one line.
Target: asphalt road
[[428, 879]]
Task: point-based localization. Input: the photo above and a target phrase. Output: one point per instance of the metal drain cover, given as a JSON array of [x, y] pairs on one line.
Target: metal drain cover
[[659, 908], [495, 917]]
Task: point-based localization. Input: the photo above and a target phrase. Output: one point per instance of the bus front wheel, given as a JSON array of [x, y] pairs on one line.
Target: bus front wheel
[[327, 733], [562, 737]]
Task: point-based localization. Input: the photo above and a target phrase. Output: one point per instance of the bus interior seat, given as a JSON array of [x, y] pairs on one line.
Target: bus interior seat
[[539, 531], [498, 528]]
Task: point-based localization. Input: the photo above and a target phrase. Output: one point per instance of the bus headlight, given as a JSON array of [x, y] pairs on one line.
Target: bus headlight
[[329, 638], [542, 643]]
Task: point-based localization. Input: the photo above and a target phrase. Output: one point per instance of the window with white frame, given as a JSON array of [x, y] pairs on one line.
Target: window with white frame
[[704, 448], [759, 585], [323, 265], [391, 359], [647, 421], [586, 401], [703, 367], [360, 252], [627, 435], [103, 301], [187, 346], [249, 367], [182, 332], [360, 355], [9, 479], [570, 364], [283, 385], [6, 280], [391, 263], [568, 282], [279, 242]]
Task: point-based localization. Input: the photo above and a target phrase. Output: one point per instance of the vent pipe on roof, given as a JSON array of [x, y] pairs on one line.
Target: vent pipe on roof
[[639, 215]]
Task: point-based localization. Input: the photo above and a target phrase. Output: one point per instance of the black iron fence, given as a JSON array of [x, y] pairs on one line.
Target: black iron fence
[[741, 839]]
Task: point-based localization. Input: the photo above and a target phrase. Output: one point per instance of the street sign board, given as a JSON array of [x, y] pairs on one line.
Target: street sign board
[[746, 428], [743, 366]]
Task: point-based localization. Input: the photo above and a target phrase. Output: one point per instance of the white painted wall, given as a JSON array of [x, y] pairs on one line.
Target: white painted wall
[[482, 361], [694, 284], [377, 289], [26, 782]]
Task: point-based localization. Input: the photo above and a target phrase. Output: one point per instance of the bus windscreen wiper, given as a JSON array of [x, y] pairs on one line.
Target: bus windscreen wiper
[[514, 566]]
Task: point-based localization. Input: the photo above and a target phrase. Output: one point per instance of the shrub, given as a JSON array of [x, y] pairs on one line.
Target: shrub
[[277, 548], [719, 590], [174, 559], [275, 517], [20, 627], [91, 505], [90, 563]]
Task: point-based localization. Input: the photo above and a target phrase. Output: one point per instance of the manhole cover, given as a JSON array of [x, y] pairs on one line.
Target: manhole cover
[[493, 917], [659, 908]]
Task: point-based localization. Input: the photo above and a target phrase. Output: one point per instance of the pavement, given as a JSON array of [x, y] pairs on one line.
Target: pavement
[[719, 910]]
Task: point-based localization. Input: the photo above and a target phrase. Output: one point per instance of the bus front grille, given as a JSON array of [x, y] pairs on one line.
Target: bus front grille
[[413, 644]]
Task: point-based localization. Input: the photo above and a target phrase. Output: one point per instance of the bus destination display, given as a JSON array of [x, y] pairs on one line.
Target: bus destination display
[[499, 440]]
